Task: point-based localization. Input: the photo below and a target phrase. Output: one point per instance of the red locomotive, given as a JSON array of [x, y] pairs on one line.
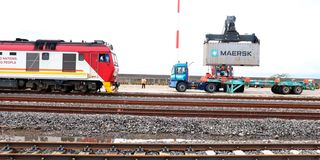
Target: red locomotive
[[55, 65]]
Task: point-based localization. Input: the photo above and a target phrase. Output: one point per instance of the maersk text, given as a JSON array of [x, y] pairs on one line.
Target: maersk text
[[235, 53]]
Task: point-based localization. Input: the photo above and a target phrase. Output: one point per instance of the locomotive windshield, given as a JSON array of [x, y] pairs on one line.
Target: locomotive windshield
[[104, 58], [115, 60]]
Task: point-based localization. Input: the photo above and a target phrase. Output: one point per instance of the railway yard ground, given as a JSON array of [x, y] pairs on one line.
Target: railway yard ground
[[159, 114], [135, 126]]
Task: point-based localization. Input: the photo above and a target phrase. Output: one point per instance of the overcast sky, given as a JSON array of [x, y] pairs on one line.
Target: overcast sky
[[143, 31]]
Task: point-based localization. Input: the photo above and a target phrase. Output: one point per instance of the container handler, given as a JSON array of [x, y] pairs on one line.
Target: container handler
[[221, 52]]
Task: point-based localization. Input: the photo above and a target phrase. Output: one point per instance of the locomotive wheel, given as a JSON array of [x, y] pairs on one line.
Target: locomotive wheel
[[66, 89], [297, 90], [210, 88], [36, 87], [181, 87], [84, 89], [21, 84], [49, 89], [285, 90], [93, 90]]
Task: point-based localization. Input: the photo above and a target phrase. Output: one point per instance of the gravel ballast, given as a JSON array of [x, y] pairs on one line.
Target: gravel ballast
[[125, 126]]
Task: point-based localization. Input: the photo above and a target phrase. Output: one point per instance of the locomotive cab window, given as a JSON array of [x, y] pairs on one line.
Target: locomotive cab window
[[13, 53], [45, 56], [104, 58], [0, 53], [81, 57]]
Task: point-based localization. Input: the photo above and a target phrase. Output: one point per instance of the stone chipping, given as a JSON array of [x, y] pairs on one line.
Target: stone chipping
[[158, 127]]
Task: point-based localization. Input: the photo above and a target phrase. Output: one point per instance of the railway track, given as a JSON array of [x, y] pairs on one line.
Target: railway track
[[217, 96], [173, 111], [164, 103], [110, 151], [161, 112], [178, 95]]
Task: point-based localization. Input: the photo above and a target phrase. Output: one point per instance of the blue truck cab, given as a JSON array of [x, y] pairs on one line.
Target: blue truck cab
[[179, 79], [179, 75]]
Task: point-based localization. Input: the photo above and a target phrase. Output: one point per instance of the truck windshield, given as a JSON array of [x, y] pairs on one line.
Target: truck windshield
[[115, 59], [180, 70]]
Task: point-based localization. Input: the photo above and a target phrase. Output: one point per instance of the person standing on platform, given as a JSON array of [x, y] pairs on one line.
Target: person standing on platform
[[143, 82]]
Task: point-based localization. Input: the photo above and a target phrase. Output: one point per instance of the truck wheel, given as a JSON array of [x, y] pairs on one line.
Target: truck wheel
[[285, 90], [273, 89], [297, 90], [211, 87], [181, 87], [278, 90]]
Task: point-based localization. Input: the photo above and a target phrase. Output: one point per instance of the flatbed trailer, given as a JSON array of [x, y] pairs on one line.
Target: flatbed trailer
[[288, 87]]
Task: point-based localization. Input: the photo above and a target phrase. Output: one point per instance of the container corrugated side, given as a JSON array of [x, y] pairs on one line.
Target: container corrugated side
[[236, 54]]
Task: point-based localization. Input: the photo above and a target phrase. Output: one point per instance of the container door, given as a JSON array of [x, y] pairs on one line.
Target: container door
[[69, 63], [32, 62]]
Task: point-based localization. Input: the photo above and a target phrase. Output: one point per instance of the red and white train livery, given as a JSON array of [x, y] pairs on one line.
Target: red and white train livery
[[47, 65]]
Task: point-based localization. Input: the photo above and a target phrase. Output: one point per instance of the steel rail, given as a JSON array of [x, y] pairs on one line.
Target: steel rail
[[161, 112], [155, 157], [165, 103], [215, 96], [181, 95], [86, 151], [161, 146]]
